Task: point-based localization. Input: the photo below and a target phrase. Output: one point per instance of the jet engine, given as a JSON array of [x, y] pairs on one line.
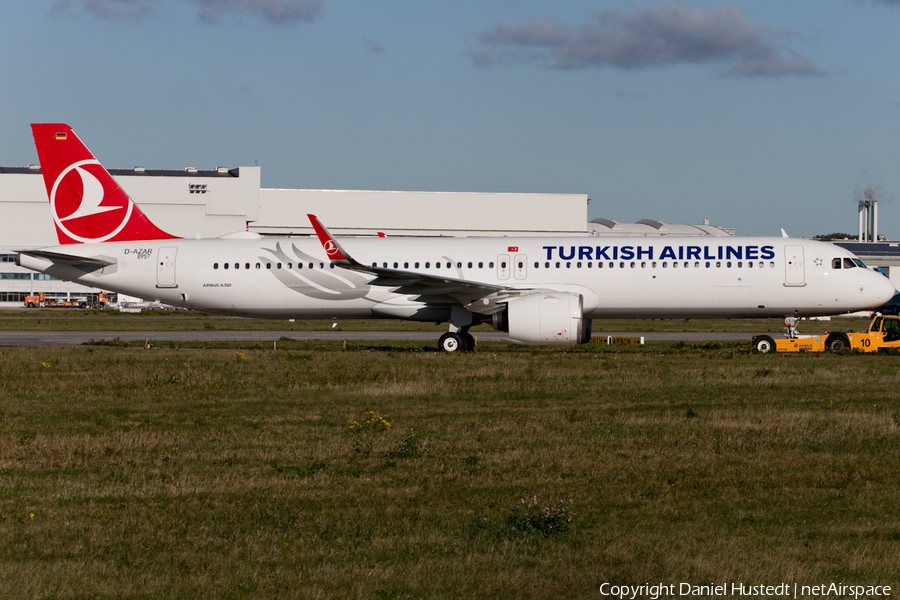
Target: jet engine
[[544, 318]]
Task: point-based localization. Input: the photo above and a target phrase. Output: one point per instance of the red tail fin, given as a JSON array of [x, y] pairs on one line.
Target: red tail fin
[[86, 202]]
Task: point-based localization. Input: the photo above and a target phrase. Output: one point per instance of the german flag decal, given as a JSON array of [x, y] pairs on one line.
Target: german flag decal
[[61, 135]]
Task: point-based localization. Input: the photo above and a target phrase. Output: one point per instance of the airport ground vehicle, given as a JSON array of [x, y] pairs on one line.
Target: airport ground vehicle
[[39, 300], [883, 332]]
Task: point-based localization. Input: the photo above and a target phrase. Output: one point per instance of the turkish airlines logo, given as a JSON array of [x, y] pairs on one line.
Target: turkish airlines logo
[[330, 248], [77, 203], [512, 249]]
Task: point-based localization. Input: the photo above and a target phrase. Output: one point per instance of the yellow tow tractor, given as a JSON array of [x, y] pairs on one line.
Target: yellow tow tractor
[[884, 332]]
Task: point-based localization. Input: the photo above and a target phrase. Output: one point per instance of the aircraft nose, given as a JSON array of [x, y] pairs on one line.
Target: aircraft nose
[[881, 289]]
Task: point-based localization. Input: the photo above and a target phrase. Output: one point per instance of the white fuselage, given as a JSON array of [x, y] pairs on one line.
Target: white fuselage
[[618, 277]]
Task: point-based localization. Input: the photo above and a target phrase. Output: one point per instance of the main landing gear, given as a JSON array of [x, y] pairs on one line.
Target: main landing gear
[[456, 341]]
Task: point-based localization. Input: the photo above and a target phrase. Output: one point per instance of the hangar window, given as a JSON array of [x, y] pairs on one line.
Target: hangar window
[[215, 265]]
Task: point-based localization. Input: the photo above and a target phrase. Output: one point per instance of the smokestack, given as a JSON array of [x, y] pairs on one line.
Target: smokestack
[[874, 220], [863, 219]]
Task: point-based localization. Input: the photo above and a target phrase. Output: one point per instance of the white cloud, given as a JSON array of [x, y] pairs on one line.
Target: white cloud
[[274, 11], [662, 35]]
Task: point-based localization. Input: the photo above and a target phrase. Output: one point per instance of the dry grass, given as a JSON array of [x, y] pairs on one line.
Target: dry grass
[[198, 473]]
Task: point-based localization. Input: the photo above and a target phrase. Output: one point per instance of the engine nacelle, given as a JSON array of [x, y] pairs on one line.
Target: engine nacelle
[[546, 318]]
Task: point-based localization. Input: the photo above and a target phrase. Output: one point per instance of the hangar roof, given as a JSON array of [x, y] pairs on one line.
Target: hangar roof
[[648, 227]]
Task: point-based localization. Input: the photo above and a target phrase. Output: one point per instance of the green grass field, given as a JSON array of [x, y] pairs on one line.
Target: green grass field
[[249, 473]]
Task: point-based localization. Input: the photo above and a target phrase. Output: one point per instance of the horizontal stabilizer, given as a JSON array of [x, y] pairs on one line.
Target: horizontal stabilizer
[[71, 260]]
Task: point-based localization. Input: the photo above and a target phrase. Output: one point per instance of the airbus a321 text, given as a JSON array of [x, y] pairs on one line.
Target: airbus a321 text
[[540, 290]]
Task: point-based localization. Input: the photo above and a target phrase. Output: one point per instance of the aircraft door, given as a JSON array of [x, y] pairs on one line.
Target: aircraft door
[[520, 266], [794, 271], [503, 266], [165, 270]]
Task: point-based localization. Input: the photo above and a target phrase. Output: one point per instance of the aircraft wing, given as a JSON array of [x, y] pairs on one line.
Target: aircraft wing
[[406, 281]]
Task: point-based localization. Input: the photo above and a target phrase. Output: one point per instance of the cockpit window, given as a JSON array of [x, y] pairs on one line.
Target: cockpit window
[[835, 263], [848, 263], [860, 263]]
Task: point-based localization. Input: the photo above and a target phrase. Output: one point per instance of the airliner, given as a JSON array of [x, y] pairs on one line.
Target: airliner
[[539, 290]]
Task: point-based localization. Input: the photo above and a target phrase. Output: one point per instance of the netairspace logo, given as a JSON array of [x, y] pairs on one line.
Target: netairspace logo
[[737, 590]]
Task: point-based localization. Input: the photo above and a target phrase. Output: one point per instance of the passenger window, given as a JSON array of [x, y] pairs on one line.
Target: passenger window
[[568, 265], [428, 265], [521, 264], [299, 265], [384, 264], [599, 265], [268, 265], [590, 264], [772, 264], [311, 265], [258, 265], [848, 264], [621, 265], [491, 265], [643, 265], [290, 266], [718, 264], [225, 265], [750, 265], [503, 264], [536, 265], [707, 264], [237, 265], [665, 264], [835, 263], [740, 264], [417, 265], [578, 265], [557, 265], [653, 264], [277, 266], [728, 264], [674, 265], [546, 265], [321, 265], [448, 265], [480, 265], [470, 265], [396, 265], [632, 264], [331, 265], [406, 265], [437, 265], [215, 265], [247, 265]]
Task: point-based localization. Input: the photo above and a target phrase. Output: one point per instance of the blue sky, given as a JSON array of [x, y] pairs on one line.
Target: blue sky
[[755, 114]]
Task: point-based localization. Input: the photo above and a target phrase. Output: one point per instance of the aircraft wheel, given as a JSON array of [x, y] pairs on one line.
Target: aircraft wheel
[[836, 343], [764, 344], [451, 342], [469, 340]]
